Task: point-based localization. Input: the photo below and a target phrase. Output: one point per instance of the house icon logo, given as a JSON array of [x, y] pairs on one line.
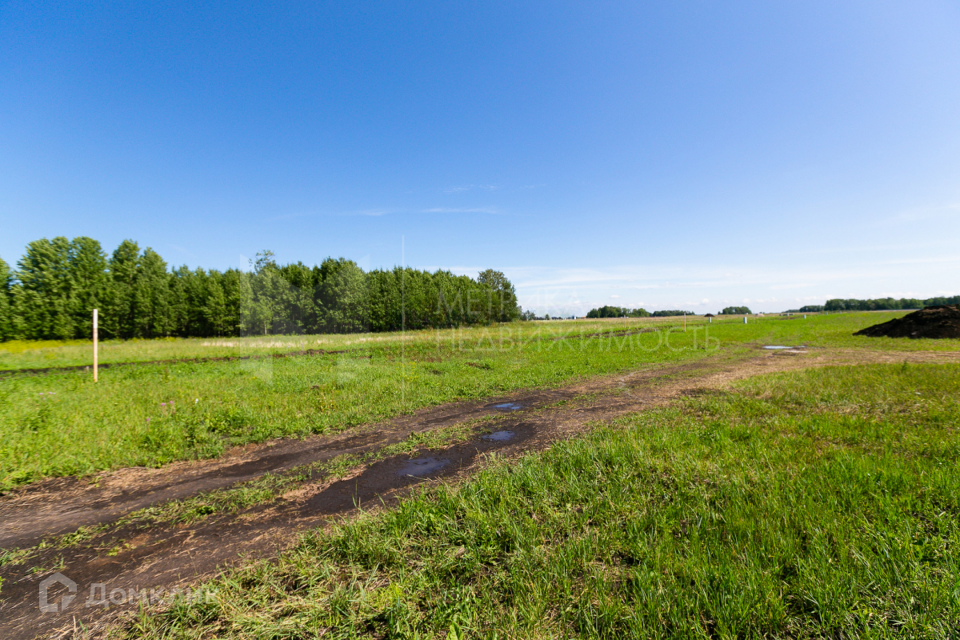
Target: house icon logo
[[52, 607]]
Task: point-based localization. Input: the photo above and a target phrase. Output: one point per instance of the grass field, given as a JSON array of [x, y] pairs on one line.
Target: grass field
[[63, 424], [816, 504], [811, 503]]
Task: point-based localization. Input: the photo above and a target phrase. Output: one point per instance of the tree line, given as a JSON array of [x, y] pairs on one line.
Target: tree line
[[887, 304], [623, 312], [735, 311], [57, 283], [607, 311]]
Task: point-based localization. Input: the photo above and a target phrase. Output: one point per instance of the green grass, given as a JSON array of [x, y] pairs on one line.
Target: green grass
[[42, 354], [815, 504], [64, 424], [20, 354]]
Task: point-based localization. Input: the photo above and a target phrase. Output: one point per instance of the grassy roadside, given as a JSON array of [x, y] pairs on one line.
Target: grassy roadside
[[63, 424], [823, 503]]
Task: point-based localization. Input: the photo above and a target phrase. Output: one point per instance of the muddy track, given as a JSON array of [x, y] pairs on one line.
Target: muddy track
[[172, 556], [110, 365]]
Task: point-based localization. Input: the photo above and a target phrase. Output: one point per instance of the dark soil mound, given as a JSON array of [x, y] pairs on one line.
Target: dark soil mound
[[932, 322]]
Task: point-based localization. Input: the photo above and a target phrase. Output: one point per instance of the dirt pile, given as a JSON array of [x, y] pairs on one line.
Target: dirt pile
[[932, 322]]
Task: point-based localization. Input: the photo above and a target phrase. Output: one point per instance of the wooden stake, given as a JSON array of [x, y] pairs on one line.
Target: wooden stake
[[94, 345]]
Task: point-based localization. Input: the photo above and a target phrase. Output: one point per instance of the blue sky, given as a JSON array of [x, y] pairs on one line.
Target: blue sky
[[681, 154]]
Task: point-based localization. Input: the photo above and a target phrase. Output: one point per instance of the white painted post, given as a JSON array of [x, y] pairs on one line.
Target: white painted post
[[94, 345], [744, 319]]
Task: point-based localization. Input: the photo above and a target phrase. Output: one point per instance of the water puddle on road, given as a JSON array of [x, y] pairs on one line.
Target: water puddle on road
[[780, 346], [508, 406], [499, 436], [422, 466]]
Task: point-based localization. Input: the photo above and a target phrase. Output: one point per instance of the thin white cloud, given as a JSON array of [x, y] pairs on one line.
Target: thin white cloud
[[922, 214], [471, 187], [312, 214], [371, 212], [489, 210], [387, 212]]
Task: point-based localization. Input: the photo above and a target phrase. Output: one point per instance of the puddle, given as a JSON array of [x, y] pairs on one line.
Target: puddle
[[499, 436], [422, 466], [780, 346], [508, 406]]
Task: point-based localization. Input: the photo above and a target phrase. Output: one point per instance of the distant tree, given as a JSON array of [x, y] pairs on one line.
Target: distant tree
[[617, 312], [119, 318], [886, 304], [215, 304], [267, 286], [735, 311], [152, 312], [58, 283], [88, 282], [504, 298], [6, 309], [344, 296], [265, 258], [672, 312], [298, 305], [932, 302], [179, 301], [238, 296], [384, 312], [42, 296], [195, 291]]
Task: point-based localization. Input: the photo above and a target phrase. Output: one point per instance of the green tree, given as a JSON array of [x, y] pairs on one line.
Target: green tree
[[120, 319], [42, 297], [6, 309], [267, 286], [384, 313], [297, 300], [343, 296], [89, 283], [215, 304], [151, 297], [58, 283], [735, 311], [196, 291], [238, 296], [504, 299], [179, 301]]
